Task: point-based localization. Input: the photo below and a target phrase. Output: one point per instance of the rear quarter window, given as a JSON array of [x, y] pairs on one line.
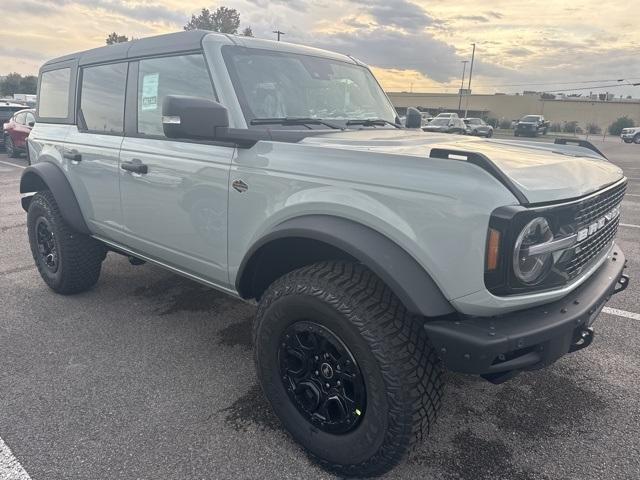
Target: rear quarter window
[[53, 96]]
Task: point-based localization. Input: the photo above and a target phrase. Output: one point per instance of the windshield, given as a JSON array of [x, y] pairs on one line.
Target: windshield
[[530, 118], [440, 122], [287, 85]]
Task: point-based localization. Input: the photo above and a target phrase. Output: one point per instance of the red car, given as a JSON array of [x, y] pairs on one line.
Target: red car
[[16, 130]]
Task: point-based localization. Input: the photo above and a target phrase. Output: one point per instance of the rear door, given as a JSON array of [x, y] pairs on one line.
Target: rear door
[[93, 146], [175, 205]]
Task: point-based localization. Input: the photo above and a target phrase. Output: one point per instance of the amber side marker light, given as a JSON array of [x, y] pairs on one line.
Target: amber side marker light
[[493, 250]]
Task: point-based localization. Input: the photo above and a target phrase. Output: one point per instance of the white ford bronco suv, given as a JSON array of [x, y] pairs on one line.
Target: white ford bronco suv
[[378, 255]]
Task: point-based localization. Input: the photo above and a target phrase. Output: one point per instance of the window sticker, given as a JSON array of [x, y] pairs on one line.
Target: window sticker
[[150, 92]]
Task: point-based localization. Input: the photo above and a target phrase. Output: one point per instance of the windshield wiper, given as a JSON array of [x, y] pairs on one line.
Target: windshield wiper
[[294, 121], [372, 122]]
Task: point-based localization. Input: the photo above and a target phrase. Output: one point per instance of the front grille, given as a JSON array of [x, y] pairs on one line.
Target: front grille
[[588, 212], [595, 207], [590, 249]]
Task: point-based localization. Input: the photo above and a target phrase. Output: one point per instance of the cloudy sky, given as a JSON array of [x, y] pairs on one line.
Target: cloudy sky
[[418, 44]]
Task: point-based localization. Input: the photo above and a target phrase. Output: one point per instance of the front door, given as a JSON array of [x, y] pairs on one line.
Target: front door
[[174, 193]]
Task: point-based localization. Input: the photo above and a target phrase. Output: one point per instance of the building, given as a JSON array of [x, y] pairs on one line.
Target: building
[[584, 110]]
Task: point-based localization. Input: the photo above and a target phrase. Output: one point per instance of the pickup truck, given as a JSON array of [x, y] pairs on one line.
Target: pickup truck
[[531, 125]]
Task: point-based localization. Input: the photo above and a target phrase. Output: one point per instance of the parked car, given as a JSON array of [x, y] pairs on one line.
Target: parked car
[[477, 126], [447, 115], [629, 135], [16, 131], [531, 125], [446, 125], [378, 256], [7, 110]]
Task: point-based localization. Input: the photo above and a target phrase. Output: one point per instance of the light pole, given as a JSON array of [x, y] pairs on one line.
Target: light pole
[[464, 69], [466, 103], [278, 32]]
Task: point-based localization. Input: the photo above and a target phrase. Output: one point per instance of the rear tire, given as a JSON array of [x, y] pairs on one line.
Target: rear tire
[[392, 357], [10, 147], [636, 139], [68, 262]]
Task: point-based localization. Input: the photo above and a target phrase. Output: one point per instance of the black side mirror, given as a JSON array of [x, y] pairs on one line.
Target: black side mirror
[[194, 117], [31, 124], [413, 119]]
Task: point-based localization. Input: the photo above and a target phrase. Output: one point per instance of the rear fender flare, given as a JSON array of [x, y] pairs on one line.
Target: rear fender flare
[[48, 176]]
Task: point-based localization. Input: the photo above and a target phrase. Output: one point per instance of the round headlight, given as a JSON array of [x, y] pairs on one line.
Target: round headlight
[[531, 268]]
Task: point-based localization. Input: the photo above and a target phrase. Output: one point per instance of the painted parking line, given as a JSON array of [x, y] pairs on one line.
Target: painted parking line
[[12, 164], [629, 225], [621, 313], [10, 468]]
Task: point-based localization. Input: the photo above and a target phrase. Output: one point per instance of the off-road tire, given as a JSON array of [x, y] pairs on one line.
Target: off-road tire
[[79, 257], [636, 139], [402, 373], [10, 147]]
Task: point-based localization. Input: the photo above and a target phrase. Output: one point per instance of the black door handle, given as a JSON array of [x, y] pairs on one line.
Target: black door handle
[[72, 155], [135, 166]]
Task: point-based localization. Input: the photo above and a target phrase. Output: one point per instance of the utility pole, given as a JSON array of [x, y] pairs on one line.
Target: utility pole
[[278, 32], [464, 69], [466, 103]]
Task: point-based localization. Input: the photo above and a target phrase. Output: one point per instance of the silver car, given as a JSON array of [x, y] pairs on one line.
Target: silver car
[[478, 127]]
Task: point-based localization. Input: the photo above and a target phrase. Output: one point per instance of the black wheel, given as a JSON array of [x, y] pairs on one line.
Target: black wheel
[[68, 262], [636, 139], [349, 372], [9, 147], [627, 140], [489, 133]]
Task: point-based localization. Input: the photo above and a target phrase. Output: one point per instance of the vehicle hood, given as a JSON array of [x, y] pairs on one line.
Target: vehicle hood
[[543, 172]]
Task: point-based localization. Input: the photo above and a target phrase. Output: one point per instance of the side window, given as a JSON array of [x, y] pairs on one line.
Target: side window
[[159, 77], [53, 97], [20, 118], [102, 97]]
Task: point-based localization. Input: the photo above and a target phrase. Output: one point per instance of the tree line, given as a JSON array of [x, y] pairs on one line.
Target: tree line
[[16, 83], [223, 20]]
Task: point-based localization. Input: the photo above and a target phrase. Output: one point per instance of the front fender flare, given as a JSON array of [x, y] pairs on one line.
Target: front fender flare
[[46, 175], [410, 282]]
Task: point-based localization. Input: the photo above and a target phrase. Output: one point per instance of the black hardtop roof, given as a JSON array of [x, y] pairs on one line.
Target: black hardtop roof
[[160, 44]]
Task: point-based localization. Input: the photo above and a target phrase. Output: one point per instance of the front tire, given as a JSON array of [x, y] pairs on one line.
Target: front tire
[[68, 262], [335, 322]]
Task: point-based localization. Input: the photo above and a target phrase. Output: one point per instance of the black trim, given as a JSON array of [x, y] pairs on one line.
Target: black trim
[[55, 180], [486, 164], [579, 142], [397, 269], [527, 339]]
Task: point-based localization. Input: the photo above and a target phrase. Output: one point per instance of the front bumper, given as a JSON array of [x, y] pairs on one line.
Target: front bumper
[[496, 347]]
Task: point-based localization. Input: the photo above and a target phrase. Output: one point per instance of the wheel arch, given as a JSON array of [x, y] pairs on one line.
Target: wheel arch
[[48, 176], [303, 240]]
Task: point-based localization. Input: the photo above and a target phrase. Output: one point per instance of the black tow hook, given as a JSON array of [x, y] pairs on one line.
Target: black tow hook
[[584, 340], [623, 283]]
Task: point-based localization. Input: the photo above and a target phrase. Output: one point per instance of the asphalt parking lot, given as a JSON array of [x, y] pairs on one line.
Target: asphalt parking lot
[[150, 376]]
